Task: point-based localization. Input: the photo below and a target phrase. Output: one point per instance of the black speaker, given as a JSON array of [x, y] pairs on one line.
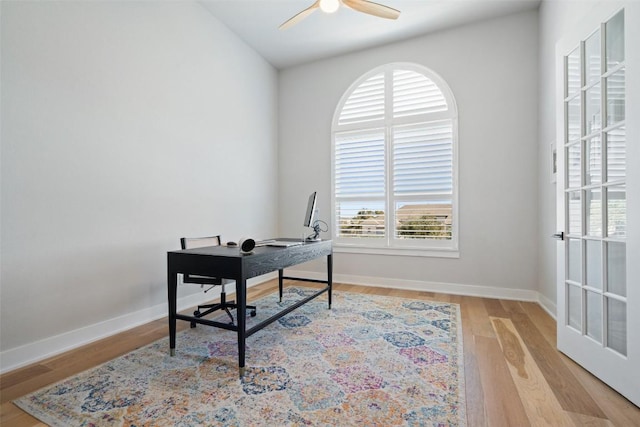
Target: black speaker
[[246, 245]]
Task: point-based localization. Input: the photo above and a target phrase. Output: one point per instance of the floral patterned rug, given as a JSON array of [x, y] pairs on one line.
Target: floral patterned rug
[[369, 361]]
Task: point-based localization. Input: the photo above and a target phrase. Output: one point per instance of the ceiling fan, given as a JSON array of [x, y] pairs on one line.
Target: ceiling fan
[[330, 6]]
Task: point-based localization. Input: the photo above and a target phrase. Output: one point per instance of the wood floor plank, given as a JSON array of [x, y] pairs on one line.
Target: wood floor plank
[[555, 371], [539, 401], [441, 297], [11, 415], [511, 306], [505, 408], [616, 407], [20, 375], [494, 308], [32, 384], [479, 318], [587, 421], [475, 401], [544, 322]]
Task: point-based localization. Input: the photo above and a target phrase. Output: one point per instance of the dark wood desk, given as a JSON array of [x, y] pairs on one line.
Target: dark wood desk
[[229, 263]]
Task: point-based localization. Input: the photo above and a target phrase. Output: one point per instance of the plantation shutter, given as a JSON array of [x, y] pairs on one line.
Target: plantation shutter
[[414, 93], [422, 159], [366, 103], [359, 176], [393, 161], [423, 181], [359, 164]]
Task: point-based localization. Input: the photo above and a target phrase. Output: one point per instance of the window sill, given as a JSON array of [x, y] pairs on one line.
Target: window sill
[[433, 253]]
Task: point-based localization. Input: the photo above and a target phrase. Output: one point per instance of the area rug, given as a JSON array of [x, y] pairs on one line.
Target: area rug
[[369, 361]]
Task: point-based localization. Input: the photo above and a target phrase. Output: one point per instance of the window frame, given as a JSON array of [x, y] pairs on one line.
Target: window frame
[[390, 245]]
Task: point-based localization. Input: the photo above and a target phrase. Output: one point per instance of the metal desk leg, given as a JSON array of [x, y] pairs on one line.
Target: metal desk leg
[[241, 313], [280, 276], [329, 276], [172, 285]]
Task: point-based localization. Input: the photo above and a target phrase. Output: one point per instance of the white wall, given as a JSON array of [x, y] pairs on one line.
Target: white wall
[[491, 68], [123, 128]]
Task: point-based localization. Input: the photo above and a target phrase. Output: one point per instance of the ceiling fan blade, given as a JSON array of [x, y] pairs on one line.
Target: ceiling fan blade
[[372, 8], [300, 16]]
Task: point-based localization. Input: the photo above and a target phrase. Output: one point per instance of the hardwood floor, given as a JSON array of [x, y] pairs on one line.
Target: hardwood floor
[[513, 374]]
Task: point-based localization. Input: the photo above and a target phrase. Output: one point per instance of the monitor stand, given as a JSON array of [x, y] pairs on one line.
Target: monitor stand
[[315, 237]]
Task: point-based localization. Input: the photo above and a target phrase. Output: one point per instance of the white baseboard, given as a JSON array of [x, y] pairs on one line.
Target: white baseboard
[[417, 285], [34, 352], [548, 305]]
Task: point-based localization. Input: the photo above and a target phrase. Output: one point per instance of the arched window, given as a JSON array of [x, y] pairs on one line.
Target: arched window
[[394, 177]]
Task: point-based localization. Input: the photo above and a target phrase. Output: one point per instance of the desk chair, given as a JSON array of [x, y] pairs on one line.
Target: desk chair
[[203, 310]]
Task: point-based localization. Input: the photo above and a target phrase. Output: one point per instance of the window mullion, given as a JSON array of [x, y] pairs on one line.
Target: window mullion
[[388, 117]]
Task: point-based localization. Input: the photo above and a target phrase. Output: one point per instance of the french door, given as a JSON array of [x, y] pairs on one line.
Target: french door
[[597, 286]]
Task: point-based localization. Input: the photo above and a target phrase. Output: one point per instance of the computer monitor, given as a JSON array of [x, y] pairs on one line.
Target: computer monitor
[[310, 216], [310, 219]]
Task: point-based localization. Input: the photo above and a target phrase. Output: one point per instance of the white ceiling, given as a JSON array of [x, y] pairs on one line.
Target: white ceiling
[[322, 35]]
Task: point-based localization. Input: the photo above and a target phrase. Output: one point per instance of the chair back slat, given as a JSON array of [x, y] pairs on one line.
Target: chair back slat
[[200, 242]]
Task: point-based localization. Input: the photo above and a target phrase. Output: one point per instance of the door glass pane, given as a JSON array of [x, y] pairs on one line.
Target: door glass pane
[[616, 154], [573, 72], [594, 316], [574, 304], [616, 211], [593, 167], [617, 325], [573, 119], [592, 114], [573, 166], [616, 268], [592, 58], [575, 213], [615, 97], [614, 30], [593, 258], [574, 260], [593, 206]]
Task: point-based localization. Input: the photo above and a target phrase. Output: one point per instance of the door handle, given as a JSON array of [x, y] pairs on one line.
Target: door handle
[[559, 235]]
